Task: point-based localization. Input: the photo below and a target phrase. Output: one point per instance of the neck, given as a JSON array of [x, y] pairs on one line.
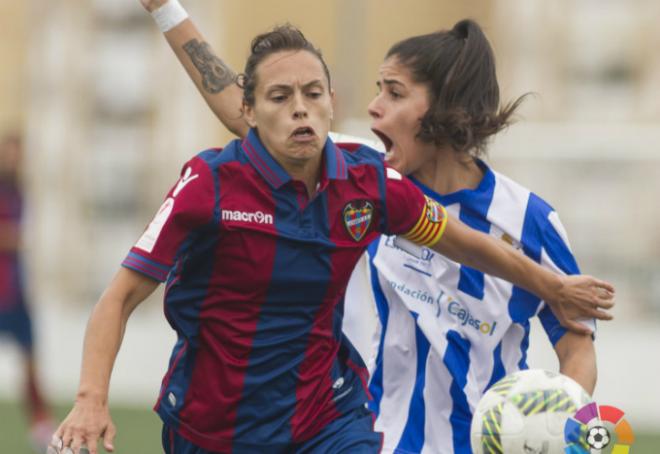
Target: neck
[[448, 172], [307, 171]]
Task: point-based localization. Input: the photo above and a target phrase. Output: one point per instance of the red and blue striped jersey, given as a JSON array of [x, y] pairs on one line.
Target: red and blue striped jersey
[[256, 274]]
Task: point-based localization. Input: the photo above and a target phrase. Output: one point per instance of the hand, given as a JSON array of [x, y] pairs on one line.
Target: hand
[[81, 429], [579, 297], [151, 5]]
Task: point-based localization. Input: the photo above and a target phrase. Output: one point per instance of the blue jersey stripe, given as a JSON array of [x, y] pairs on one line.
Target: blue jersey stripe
[[498, 367], [524, 344], [412, 439], [471, 280], [376, 382], [558, 251], [523, 304], [457, 360]]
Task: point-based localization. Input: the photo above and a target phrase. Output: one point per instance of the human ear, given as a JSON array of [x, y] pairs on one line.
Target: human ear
[[333, 103], [248, 113]]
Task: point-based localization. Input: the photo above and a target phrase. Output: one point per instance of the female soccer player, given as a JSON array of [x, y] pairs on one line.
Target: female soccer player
[[15, 318], [438, 105], [257, 244]]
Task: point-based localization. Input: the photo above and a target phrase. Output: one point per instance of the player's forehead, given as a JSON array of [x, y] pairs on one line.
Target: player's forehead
[[290, 68], [392, 69]]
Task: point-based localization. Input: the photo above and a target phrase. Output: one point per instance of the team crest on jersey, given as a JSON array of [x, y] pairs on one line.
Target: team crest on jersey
[[357, 218]]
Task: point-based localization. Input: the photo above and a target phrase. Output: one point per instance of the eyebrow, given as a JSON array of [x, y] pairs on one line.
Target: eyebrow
[[391, 82], [315, 82]]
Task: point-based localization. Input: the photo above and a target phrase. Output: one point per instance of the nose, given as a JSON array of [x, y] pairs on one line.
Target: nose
[[299, 107], [374, 108]]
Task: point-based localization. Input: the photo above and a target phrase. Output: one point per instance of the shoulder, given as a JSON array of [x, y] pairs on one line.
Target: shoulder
[[215, 157], [360, 154], [536, 208]]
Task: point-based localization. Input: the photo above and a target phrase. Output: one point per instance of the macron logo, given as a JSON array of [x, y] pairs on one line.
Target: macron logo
[[257, 217], [185, 179]]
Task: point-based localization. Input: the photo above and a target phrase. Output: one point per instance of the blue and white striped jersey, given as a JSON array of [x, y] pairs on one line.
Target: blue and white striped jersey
[[446, 332]]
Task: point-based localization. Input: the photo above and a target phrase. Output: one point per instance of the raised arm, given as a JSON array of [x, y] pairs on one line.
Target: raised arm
[[214, 79], [89, 419], [569, 297]]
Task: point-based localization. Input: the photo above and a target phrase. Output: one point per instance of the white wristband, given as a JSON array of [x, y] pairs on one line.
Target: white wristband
[[169, 15]]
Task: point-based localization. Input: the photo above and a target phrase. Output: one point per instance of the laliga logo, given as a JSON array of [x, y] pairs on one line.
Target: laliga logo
[[594, 428]]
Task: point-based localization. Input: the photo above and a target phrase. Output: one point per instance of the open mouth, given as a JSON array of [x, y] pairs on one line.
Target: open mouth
[[303, 132], [383, 138]]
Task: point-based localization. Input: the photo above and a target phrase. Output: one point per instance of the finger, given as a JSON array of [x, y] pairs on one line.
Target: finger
[[601, 315], [604, 285], [76, 443], [109, 437], [604, 303], [89, 444], [55, 445], [56, 441], [67, 437]]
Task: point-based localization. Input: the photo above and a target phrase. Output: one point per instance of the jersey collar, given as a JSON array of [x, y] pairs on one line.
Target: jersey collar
[[464, 195], [334, 164]]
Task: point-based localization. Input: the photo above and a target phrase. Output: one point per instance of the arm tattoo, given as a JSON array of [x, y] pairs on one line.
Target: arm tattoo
[[216, 75]]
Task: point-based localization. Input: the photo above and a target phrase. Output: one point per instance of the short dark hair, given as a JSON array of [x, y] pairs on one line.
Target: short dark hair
[[281, 38], [458, 65]]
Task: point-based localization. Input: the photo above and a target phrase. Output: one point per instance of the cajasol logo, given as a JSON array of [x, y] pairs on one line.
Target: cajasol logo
[[455, 309]]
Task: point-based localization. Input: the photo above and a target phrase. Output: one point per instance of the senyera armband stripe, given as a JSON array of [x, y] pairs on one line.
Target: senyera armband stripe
[[431, 224]]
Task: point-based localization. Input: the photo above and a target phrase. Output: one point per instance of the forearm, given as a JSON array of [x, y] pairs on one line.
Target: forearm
[[105, 331], [214, 79], [577, 359], [103, 337]]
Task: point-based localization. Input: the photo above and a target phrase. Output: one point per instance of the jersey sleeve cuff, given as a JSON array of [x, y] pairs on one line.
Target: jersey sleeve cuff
[[143, 265]]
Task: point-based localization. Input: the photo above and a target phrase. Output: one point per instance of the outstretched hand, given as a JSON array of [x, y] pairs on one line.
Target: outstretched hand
[[151, 5], [580, 297], [85, 424]]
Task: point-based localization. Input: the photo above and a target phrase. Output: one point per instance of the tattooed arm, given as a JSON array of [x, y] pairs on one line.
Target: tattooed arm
[[214, 79]]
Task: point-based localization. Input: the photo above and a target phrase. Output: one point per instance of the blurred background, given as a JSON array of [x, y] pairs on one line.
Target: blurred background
[[108, 117]]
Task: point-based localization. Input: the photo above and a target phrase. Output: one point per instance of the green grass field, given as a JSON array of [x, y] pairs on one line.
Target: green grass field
[[138, 429], [139, 432]]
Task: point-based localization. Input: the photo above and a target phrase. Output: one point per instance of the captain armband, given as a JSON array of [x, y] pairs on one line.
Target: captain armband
[[431, 224]]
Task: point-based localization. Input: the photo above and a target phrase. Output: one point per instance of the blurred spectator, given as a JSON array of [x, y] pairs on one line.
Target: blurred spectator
[[14, 314]]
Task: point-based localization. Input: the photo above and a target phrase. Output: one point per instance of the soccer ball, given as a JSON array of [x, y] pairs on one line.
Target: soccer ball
[[525, 412]]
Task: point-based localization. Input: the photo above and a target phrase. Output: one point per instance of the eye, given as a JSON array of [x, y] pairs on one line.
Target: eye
[[314, 94], [278, 98], [395, 94]]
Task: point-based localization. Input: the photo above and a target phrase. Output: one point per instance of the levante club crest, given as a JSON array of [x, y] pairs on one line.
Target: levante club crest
[[357, 218]]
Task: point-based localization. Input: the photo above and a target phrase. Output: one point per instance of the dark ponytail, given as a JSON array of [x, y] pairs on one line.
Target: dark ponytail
[[459, 67]]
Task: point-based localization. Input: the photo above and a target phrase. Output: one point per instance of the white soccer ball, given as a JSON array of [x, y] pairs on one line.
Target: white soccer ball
[[526, 412]]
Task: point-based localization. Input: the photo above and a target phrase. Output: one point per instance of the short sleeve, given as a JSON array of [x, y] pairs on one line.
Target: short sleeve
[[404, 202], [188, 205], [411, 214]]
